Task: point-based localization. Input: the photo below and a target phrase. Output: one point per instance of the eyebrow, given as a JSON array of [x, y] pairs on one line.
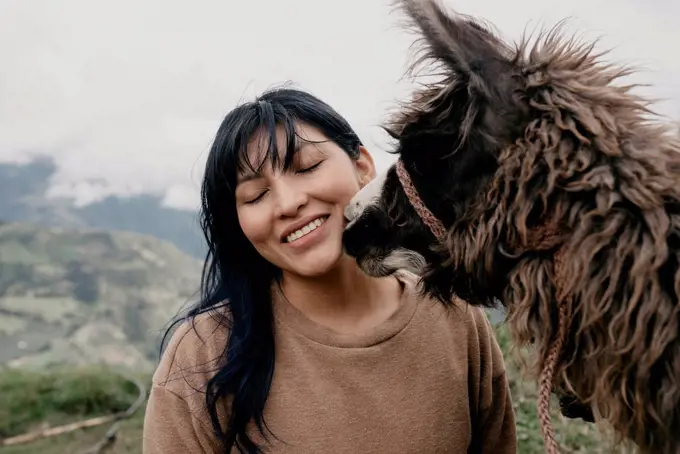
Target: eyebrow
[[247, 177], [250, 176]]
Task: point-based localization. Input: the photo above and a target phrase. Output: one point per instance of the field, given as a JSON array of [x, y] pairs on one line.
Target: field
[[34, 400]]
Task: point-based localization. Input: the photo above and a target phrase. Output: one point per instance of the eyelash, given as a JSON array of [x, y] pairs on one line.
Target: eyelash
[[310, 168], [301, 171], [256, 199]]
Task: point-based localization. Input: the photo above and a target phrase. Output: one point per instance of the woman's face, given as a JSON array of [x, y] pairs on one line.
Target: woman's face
[[295, 219]]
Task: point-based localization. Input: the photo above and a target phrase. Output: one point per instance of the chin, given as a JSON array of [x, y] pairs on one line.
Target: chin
[[322, 263]]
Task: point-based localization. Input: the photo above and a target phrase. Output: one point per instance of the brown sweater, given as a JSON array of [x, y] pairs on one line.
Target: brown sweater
[[425, 381]]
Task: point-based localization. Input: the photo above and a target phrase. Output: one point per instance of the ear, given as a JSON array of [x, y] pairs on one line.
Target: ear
[[466, 47], [365, 166]]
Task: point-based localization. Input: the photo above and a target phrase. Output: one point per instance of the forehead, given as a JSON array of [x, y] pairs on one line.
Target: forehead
[[277, 147], [260, 145], [367, 196]]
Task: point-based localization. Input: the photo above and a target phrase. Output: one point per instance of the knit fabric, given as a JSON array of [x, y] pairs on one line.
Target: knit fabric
[[427, 380]]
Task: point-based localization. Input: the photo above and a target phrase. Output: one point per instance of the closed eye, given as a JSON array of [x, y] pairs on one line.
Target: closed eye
[[299, 171], [310, 168], [256, 199]]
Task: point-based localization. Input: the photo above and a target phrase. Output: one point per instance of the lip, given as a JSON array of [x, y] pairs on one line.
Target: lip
[[301, 223]]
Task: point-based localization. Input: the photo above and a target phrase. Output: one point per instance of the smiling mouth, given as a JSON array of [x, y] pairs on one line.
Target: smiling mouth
[[301, 232]]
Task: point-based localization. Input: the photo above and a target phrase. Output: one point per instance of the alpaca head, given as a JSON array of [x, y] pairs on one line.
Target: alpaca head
[[521, 153], [450, 137], [369, 218]]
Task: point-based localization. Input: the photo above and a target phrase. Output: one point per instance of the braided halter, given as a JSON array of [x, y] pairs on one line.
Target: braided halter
[[434, 224], [547, 374]]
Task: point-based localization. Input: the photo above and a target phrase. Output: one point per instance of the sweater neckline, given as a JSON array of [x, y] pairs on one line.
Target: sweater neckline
[[290, 316]]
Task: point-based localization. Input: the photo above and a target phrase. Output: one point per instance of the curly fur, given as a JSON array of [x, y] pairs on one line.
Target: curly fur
[[511, 141]]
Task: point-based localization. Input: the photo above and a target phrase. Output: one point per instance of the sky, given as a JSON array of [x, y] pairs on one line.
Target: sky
[[126, 96]]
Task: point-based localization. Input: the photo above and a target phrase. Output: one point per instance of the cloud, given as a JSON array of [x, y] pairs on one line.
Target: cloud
[[127, 95]]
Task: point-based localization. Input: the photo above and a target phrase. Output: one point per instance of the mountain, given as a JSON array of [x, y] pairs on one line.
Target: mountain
[[88, 296], [23, 188]]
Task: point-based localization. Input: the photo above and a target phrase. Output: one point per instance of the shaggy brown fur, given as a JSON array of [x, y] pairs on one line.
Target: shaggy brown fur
[[512, 141]]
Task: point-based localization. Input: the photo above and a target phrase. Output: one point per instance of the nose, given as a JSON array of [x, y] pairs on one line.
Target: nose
[[291, 198]]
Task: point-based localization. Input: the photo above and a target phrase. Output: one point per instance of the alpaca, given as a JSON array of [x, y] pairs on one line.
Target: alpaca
[[526, 176]]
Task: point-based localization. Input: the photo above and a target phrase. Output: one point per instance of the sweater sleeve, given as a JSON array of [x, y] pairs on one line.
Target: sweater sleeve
[[497, 421], [176, 419], [170, 426], [495, 431]]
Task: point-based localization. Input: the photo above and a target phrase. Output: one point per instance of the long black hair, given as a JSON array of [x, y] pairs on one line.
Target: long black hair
[[236, 280]]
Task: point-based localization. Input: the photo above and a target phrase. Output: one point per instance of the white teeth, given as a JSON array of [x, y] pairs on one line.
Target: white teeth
[[305, 230]]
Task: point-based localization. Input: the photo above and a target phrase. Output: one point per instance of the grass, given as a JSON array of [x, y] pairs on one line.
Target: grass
[[35, 400], [30, 400], [573, 436]]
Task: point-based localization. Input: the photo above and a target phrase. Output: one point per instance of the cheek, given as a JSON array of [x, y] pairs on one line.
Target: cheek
[[338, 186], [351, 189], [255, 226]]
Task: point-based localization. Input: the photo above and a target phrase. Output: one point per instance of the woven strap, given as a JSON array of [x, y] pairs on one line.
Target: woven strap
[[545, 238], [552, 358], [434, 224]]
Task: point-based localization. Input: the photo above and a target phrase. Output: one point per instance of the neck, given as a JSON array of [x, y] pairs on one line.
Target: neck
[[345, 298]]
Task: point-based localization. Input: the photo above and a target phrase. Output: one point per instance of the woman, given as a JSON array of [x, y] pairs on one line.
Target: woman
[[292, 349]]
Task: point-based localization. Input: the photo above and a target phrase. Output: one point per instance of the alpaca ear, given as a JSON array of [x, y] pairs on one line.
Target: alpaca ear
[[473, 53]]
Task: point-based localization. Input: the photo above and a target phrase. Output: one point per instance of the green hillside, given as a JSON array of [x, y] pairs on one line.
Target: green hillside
[[87, 296]]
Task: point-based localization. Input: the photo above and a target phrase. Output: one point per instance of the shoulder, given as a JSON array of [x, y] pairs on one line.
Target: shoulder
[[176, 416], [194, 353], [458, 311], [467, 325]]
